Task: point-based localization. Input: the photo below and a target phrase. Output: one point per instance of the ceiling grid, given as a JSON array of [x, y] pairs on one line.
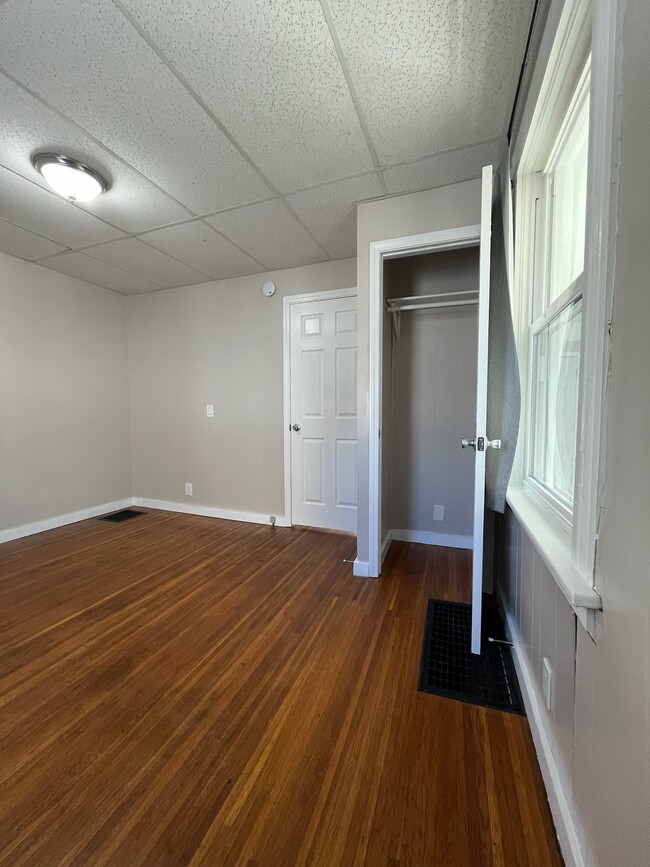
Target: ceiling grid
[[238, 138]]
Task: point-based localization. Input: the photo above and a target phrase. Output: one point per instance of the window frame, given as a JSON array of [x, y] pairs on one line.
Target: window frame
[[541, 165], [583, 27]]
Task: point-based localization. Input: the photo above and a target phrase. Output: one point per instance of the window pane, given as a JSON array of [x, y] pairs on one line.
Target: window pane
[[568, 190], [556, 368]]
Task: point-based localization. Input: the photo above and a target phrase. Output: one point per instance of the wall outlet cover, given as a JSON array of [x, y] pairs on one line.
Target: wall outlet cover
[[438, 513], [188, 489]]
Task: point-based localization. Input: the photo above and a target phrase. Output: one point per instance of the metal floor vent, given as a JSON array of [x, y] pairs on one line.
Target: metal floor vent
[[124, 515], [449, 668]]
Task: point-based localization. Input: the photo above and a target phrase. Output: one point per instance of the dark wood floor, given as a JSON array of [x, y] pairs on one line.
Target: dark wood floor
[[183, 691]]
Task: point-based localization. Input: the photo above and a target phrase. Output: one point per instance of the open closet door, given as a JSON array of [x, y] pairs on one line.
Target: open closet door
[[480, 441]]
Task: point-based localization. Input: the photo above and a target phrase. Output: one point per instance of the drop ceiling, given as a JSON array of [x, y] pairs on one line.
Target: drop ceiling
[[238, 135]]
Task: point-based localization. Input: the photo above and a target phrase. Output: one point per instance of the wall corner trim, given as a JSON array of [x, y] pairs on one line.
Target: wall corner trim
[[62, 520], [557, 797]]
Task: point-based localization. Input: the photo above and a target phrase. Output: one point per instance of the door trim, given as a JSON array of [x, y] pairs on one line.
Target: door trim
[[394, 248], [287, 302]]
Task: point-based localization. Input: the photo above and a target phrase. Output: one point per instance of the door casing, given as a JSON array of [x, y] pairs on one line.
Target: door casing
[[394, 248]]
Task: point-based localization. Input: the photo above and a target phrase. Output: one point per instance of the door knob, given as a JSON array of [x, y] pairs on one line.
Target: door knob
[[480, 443], [295, 427]]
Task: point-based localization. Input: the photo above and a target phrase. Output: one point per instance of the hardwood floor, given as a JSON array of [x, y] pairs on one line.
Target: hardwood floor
[[179, 691]]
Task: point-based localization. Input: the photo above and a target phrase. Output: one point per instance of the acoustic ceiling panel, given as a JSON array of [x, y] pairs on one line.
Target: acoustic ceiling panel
[[271, 234], [100, 273], [32, 207], [449, 168], [200, 245], [26, 245], [132, 203], [271, 74], [87, 60], [138, 258], [330, 212], [432, 75]]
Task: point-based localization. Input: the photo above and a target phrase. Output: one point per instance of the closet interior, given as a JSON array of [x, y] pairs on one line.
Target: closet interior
[[429, 354]]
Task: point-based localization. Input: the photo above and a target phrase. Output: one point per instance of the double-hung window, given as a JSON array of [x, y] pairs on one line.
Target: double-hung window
[[557, 245]]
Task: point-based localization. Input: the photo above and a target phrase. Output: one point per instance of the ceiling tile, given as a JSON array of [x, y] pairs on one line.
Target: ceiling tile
[[138, 258], [19, 242], [270, 233], [93, 271], [330, 212], [279, 58], [86, 59], [200, 245], [132, 203], [449, 168], [33, 208], [432, 75]]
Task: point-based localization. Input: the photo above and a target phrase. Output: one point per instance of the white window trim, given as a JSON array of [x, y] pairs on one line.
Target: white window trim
[[570, 553]]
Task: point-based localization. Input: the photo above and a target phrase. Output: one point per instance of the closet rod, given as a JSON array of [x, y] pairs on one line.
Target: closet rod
[[430, 305], [426, 302]]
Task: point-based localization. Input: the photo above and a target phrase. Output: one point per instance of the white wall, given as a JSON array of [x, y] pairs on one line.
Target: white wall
[[599, 732], [432, 404], [64, 403], [448, 207], [218, 343]]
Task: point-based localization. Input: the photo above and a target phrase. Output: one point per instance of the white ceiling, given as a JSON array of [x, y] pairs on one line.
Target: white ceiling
[[239, 134]]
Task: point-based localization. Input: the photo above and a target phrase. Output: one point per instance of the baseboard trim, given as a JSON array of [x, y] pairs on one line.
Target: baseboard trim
[[361, 568], [62, 520], [209, 512], [564, 824], [423, 537]]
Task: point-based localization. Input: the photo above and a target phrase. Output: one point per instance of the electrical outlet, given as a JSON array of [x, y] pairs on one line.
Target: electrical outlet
[[209, 410], [547, 683], [188, 489], [438, 513]]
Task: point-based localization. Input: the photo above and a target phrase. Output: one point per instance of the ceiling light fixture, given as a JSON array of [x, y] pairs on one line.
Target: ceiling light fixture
[[70, 178]]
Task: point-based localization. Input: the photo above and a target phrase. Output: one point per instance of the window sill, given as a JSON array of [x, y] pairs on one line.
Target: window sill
[[554, 547]]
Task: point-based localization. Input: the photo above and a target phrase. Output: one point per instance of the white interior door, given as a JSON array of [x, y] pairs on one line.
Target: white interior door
[[479, 442], [323, 414]]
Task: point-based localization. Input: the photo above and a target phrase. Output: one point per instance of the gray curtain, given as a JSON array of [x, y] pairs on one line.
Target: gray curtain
[[504, 393]]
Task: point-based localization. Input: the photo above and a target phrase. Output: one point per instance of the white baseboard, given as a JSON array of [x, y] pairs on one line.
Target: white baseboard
[[209, 512], [361, 568], [564, 824], [444, 540], [62, 520]]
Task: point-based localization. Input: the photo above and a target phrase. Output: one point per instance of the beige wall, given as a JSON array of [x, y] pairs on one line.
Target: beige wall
[[448, 207], [64, 429], [432, 404], [218, 343], [599, 732]]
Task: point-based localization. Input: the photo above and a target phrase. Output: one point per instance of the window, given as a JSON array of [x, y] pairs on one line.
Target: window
[[565, 163], [555, 318]]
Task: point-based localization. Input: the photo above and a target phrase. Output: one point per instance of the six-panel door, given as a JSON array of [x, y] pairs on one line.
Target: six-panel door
[[324, 409]]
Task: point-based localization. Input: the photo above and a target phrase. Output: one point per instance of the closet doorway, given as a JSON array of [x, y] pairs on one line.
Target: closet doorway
[[429, 322]]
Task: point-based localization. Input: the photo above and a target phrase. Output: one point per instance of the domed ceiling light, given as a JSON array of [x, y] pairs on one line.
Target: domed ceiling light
[[70, 178]]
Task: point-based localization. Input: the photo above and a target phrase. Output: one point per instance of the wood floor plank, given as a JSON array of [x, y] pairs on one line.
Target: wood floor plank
[[178, 691]]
